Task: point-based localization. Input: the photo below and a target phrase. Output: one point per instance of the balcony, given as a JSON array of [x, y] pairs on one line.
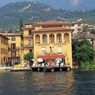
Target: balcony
[[28, 36], [13, 49], [28, 46]]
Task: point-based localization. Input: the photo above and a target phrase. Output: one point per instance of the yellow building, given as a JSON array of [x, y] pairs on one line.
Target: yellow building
[[49, 40], [3, 49], [27, 39], [14, 48]]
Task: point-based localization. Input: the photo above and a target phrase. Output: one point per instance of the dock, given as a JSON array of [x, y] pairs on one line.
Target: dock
[[50, 69], [42, 69]]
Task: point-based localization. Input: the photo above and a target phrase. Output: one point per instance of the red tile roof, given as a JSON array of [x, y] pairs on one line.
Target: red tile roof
[[53, 29], [51, 24], [3, 36]]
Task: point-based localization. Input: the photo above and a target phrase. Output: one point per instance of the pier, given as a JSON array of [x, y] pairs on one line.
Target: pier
[[50, 69], [42, 69]]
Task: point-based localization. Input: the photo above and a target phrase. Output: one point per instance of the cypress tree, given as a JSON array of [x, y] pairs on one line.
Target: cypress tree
[[21, 23]]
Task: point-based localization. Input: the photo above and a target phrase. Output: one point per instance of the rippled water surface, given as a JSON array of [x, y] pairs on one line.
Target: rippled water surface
[[57, 83]]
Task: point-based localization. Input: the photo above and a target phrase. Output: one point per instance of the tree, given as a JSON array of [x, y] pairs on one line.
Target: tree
[[83, 51], [93, 31], [21, 23], [28, 57], [10, 30]]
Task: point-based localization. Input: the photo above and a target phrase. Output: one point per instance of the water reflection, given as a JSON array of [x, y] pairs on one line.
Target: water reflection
[[52, 83], [32, 83]]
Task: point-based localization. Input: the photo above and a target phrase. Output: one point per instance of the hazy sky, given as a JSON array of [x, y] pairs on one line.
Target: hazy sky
[[64, 4]]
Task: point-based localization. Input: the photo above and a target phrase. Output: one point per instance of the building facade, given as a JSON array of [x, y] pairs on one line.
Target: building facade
[[3, 49], [27, 40], [49, 40], [14, 47]]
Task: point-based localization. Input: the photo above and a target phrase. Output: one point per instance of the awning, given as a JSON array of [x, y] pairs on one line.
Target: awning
[[46, 57]]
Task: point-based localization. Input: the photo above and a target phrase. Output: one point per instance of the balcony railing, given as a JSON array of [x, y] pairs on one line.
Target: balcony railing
[[28, 46], [13, 49], [28, 36]]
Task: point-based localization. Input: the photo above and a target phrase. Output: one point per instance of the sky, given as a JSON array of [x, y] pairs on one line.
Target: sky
[[63, 4]]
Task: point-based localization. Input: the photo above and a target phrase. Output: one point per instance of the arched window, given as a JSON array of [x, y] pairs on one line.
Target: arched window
[[44, 39], [37, 39], [51, 38], [66, 37], [59, 38]]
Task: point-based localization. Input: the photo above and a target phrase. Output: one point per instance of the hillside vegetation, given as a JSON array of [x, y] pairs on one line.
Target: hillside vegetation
[[11, 14]]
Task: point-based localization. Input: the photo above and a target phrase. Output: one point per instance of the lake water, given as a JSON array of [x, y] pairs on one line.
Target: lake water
[[56, 83]]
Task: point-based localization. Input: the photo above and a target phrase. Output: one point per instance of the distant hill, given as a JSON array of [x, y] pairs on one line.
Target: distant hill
[[11, 14]]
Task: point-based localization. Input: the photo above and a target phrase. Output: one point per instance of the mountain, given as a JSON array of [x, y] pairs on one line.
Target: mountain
[[63, 4], [11, 14]]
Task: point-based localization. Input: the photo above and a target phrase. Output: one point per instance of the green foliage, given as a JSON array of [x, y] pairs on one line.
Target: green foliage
[[21, 23], [93, 31], [17, 31], [38, 12], [83, 51], [28, 56], [88, 65], [10, 30]]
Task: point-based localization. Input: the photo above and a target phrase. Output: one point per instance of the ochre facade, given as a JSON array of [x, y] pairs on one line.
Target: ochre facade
[[48, 39], [14, 47], [3, 49]]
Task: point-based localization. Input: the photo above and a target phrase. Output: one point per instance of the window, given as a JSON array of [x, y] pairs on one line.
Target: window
[[66, 37], [1, 60], [44, 39], [6, 42], [30, 32], [59, 38], [13, 38], [13, 46], [1, 50], [30, 50], [30, 42], [13, 54], [59, 50], [2, 40], [37, 39], [6, 51], [43, 51], [51, 38], [4, 58]]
